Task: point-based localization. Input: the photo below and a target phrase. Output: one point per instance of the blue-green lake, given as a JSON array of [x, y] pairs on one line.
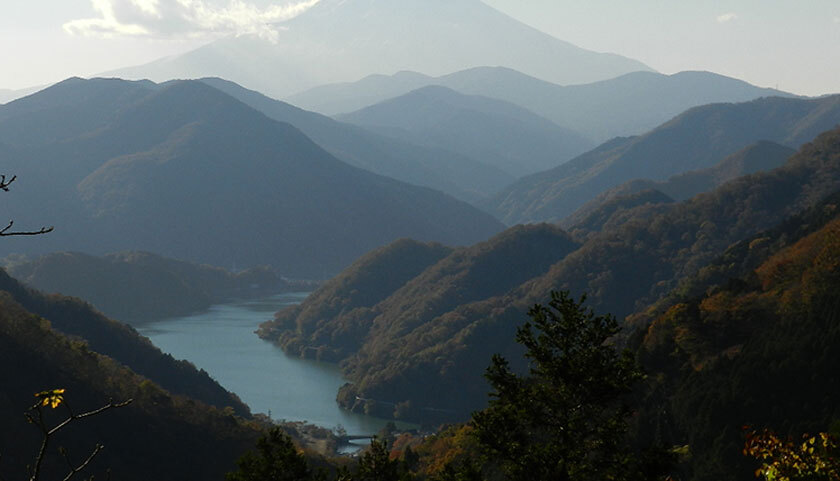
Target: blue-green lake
[[222, 342]]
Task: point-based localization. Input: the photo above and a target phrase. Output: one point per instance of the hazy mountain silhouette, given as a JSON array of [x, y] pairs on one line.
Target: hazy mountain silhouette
[[628, 105], [140, 286], [345, 40], [493, 131], [696, 139], [456, 174], [187, 171], [7, 95]]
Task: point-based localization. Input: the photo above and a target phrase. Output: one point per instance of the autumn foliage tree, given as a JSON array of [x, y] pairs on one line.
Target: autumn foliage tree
[[815, 458]]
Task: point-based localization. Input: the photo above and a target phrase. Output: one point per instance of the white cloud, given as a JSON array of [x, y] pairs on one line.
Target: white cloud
[[836, 19], [184, 18], [727, 17]]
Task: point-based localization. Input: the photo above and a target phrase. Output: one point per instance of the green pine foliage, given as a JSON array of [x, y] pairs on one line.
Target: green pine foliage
[[566, 419]]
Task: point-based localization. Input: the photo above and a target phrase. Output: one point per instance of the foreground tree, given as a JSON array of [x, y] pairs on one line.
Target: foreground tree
[[566, 419], [812, 459], [37, 415], [276, 459]]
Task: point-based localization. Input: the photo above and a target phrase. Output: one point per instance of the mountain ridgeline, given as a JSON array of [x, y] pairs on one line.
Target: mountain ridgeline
[[426, 344], [186, 171], [324, 45], [140, 286], [629, 104], [696, 139], [614, 206], [499, 133], [456, 174]]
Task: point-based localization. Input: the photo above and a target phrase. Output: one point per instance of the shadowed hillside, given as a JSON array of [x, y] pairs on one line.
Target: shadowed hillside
[[185, 171]]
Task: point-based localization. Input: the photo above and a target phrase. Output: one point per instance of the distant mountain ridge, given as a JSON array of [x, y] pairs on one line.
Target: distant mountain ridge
[[626, 105], [496, 132], [186, 171], [598, 213], [140, 286], [696, 139], [344, 40], [462, 177]]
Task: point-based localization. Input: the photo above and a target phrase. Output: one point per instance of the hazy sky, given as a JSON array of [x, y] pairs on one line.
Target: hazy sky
[[794, 45]]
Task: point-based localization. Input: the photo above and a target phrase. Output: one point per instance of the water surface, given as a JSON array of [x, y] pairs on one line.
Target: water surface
[[222, 342]]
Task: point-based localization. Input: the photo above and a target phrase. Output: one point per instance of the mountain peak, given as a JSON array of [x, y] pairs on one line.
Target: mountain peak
[[345, 40]]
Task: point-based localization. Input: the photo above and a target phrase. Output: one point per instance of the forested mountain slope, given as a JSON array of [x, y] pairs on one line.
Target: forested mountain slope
[[752, 340], [186, 171], [622, 270], [80, 320], [618, 201], [696, 139], [158, 436]]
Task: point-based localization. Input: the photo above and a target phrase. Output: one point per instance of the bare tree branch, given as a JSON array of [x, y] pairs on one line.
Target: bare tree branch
[[38, 420], [75, 470], [4, 232], [4, 185]]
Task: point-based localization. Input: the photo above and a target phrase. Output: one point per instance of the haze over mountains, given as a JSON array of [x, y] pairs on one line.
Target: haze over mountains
[[629, 104], [499, 133], [187, 171], [463, 177], [345, 40]]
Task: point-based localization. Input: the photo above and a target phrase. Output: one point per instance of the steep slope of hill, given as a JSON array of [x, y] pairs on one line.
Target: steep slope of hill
[[140, 286], [7, 95], [308, 329], [599, 212], [621, 270], [189, 172], [496, 132], [79, 320], [458, 175], [612, 212], [344, 40], [756, 347], [694, 140], [627, 105], [433, 288], [184, 438]]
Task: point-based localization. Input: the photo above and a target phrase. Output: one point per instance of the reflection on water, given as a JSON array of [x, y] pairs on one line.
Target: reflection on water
[[222, 342]]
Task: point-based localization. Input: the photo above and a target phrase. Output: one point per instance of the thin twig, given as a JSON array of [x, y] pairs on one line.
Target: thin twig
[[5, 185], [74, 471], [74, 417], [4, 232], [48, 433]]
